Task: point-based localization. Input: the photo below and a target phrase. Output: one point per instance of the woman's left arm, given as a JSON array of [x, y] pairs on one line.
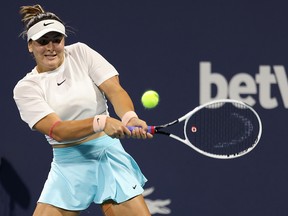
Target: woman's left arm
[[122, 104]]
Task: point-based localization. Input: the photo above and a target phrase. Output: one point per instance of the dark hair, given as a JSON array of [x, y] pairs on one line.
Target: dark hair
[[33, 14]]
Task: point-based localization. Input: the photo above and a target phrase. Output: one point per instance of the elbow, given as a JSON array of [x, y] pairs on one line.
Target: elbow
[[58, 138], [61, 136], [54, 134]]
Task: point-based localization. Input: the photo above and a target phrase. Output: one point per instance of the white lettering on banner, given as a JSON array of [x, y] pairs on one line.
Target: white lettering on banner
[[243, 86], [157, 206], [282, 82], [265, 79]]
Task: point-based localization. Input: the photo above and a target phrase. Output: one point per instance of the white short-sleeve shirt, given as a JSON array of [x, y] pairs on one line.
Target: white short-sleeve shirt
[[70, 91]]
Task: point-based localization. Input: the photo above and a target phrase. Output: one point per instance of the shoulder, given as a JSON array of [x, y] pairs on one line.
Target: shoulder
[[30, 82], [76, 47], [27, 83], [28, 79]]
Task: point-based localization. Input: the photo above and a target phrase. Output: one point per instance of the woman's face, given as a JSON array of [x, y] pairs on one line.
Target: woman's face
[[48, 51]]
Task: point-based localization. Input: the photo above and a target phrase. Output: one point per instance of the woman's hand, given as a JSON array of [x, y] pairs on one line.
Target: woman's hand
[[141, 128], [115, 129]]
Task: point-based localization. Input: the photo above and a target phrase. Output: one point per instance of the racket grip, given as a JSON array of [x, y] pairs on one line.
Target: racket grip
[[151, 129]]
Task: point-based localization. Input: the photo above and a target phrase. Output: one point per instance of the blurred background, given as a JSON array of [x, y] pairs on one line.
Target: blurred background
[[189, 52]]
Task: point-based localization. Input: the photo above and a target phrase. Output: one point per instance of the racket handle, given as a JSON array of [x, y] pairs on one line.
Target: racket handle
[[151, 129]]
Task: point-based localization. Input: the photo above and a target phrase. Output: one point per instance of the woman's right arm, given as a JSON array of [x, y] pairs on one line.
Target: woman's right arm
[[52, 125], [60, 131]]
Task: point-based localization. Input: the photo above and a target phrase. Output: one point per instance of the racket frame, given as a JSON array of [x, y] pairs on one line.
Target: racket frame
[[186, 117]]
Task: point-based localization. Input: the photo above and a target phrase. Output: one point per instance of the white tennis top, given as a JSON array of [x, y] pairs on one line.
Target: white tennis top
[[70, 91]]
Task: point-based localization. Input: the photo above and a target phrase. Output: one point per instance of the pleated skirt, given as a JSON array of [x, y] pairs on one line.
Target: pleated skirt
[[94, 171]]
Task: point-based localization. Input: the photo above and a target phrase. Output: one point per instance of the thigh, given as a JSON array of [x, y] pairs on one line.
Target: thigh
[[43, 209], [133, 207]]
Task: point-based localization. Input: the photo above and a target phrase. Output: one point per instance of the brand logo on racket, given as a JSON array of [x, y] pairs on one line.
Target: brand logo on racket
[[194, 129], [246, 133]]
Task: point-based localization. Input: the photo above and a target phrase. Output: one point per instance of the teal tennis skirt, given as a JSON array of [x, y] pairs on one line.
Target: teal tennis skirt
[[94, 171]]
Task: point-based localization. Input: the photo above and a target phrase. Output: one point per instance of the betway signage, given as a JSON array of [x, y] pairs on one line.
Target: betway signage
[[245, 87]]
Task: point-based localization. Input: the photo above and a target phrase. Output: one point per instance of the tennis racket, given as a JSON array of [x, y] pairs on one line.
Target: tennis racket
[[222, 129]]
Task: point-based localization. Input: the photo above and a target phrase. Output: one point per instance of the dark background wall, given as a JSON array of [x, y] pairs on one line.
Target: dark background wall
[[160, 45]]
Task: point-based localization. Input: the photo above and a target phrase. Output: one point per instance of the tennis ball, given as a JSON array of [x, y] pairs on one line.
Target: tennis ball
[[150, 99]]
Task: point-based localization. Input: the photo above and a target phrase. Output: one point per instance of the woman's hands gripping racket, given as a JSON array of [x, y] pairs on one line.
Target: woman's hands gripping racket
[[221, 129]]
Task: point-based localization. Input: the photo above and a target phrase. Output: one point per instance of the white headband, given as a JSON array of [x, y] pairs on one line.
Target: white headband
[[43, 27]]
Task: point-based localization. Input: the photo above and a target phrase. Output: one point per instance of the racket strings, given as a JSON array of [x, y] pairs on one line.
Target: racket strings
[[223, 128]]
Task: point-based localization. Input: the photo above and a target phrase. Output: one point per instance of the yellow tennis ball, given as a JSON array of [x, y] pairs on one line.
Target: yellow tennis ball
[[150, 99]]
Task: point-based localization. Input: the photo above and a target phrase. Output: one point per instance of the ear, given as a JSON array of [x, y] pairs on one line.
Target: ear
[[30, 47]]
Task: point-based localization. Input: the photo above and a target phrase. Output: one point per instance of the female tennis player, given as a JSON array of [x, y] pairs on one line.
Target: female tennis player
[[64, 97]]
